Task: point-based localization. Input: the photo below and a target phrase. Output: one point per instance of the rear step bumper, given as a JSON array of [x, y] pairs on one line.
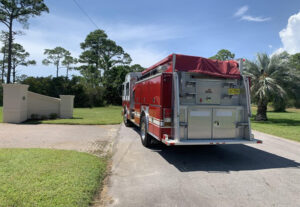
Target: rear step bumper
[[171, 142]]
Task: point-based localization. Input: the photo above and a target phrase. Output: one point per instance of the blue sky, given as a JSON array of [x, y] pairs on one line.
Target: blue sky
[[150, 30]]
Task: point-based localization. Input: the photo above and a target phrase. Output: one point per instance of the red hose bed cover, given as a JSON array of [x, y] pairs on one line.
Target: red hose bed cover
[[224, 69], [216, 68]]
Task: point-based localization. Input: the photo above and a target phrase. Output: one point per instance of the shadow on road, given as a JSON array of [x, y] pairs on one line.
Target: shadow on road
[[222, 158]]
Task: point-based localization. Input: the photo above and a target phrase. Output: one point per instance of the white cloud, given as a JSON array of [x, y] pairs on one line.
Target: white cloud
[[255, 19], [242, 10], [270, 46], [241, 13], [290, 36]]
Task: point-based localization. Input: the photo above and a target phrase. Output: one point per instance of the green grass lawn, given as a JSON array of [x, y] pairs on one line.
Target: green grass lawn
[[92, 116], [282, 124], [43, 177]]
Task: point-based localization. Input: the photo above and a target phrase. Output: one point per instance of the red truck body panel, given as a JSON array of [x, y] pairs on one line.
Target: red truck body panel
[[154, 93]]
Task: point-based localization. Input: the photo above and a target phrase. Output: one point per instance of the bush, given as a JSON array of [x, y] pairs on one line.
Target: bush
[[53, 116], [44, 117], [91, 89], [279, 104], [34, 117], [54, 87], [297, 104]]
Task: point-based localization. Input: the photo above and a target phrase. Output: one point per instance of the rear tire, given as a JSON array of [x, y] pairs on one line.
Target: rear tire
[[127, 123], [145, 137]]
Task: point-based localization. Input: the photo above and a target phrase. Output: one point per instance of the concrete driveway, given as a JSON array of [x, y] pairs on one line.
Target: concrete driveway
[[228, 175], [85, 138]]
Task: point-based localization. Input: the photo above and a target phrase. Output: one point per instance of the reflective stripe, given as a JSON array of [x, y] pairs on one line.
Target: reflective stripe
[[155, 121], [158, 122]]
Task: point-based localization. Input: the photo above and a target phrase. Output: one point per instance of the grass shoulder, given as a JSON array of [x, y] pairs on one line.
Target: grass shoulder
[[281, 124], [44, 177]]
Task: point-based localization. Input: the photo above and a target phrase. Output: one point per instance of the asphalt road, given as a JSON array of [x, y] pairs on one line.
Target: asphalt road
[[227, 175], [85, 138]]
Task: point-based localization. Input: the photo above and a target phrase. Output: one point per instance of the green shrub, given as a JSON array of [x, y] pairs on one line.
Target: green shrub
[[297, 104], [279, 104], [34, 117], [53, 116], [84, 97], [44, 117]]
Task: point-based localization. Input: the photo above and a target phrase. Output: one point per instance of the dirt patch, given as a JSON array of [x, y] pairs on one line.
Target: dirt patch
[[102, 198]]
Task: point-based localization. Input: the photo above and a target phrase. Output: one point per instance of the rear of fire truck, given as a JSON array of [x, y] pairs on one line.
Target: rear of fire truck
[[210, 102]]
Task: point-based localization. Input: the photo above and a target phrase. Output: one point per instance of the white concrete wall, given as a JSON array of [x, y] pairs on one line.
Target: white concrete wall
[[14, 103], [66, 106], [19, 104], [42, 105]]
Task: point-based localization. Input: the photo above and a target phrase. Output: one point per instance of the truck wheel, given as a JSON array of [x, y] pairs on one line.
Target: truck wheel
[[145, 137], [125, 120]]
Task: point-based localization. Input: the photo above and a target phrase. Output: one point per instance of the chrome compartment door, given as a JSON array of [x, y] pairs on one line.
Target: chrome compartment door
[[224, 123], [199, 123]]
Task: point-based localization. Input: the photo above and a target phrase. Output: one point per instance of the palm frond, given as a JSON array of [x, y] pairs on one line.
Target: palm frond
[[263, 61], [251, 69]]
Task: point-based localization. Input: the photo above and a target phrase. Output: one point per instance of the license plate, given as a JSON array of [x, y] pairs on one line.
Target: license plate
[[233, 91]]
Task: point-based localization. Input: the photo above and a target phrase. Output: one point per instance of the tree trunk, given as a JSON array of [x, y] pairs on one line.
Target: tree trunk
[[57, 71], [67, 72], [14, 74], [2, 75], [2, 70], [10, 39], [261, 114]]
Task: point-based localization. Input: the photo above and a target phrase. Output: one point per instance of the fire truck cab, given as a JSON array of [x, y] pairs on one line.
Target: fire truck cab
[[188, 100]]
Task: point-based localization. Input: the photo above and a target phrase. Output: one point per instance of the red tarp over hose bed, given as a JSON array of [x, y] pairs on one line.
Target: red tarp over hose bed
[[216, 68]]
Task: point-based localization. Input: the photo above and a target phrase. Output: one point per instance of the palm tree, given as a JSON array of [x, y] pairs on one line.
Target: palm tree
[[268, 75]]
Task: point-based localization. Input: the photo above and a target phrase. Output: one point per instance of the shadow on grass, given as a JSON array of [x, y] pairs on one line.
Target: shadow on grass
[[31, 121], [281, 122]]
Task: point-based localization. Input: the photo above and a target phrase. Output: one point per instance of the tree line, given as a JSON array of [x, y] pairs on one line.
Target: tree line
[[103, 65]]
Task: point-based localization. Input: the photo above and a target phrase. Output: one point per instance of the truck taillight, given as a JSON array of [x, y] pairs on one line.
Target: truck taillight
[[167, 116]]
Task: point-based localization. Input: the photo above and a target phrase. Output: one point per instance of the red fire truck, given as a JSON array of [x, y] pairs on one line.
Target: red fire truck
[[188, 100]]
